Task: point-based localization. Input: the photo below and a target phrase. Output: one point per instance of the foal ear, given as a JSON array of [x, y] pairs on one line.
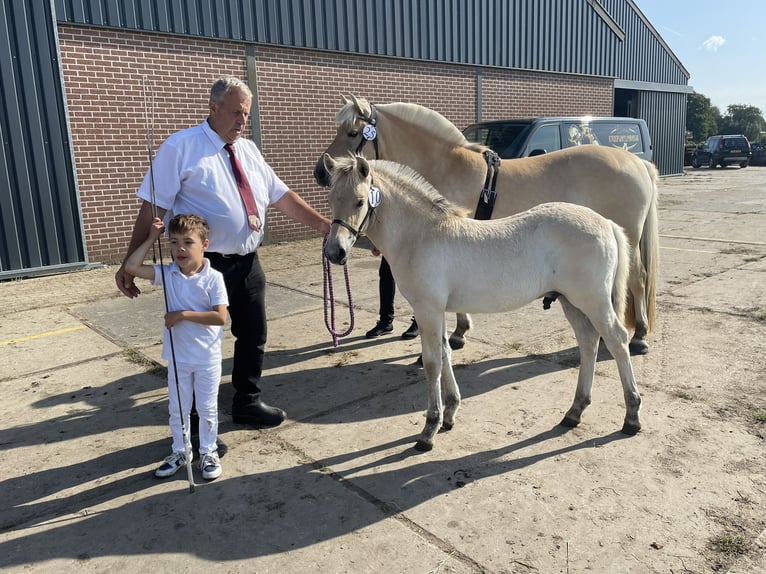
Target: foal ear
[[362, 166], [344, 100], [329, 162]]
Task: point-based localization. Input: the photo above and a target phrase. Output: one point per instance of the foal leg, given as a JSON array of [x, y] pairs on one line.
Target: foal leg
[[587, 342], [457, 339], [637, 286], [432, 334], [615, 337], [450, 390]]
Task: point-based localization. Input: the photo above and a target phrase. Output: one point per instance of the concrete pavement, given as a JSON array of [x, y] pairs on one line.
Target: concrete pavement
[[338, 487]]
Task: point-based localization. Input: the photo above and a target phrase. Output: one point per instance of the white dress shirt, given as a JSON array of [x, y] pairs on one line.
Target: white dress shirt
[[192, 174]]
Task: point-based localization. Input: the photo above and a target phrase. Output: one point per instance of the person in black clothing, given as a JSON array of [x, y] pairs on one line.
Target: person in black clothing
[[387, 293]]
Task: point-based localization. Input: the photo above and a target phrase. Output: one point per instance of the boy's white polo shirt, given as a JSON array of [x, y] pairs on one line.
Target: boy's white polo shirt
[[193, 343]]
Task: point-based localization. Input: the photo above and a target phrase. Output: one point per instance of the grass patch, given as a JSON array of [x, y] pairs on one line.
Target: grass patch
[[134, 356], [760, 418], [728, 544]]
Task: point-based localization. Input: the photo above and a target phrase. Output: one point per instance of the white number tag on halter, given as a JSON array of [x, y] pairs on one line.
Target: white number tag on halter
[[374, 197], [369, 132]]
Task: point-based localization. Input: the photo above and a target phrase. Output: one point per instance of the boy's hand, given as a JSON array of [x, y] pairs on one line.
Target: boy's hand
[[155, 231], [173, 318]]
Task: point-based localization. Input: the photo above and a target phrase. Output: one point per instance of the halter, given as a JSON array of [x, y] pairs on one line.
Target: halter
[[373, 200], [370, 131]]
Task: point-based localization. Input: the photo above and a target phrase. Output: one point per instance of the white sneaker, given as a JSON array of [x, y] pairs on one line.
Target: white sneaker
[[210, 465], [171, 465]]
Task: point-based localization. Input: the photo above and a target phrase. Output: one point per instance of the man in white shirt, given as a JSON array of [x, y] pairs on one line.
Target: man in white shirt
[[194, 172]]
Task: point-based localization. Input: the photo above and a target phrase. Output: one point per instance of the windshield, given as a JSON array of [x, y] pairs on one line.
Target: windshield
[[498, 137]]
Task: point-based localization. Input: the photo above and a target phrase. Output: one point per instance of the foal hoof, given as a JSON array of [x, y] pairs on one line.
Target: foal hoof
[[456, 343], [638, 347], [424, 446], [569, 423], [631, 429]]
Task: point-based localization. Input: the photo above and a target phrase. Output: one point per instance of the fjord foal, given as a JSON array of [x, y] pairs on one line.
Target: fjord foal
[[443, 261], [612, 182]]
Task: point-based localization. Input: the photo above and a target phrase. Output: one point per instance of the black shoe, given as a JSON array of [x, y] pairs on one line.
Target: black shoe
[[379, 329], [412, 331], [257, 414]]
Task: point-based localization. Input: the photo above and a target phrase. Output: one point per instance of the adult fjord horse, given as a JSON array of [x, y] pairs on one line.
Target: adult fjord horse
[[553, 250], [612, 182]]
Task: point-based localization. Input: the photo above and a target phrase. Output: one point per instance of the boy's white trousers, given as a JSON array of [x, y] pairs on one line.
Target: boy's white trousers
[[198, 382]]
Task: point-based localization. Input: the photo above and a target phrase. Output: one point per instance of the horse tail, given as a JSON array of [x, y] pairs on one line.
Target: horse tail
[[620, 284], [649, 246]]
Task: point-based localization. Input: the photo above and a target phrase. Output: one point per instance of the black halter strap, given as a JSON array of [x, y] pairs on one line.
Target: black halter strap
[[365, 219], [488, 194], [367, 133]]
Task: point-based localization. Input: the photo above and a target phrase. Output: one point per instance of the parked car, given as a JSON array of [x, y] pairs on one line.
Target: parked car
[[759, 154], [723, 150], [534, 136]]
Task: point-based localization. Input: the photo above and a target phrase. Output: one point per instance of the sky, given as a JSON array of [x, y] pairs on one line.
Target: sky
[[722, 44]]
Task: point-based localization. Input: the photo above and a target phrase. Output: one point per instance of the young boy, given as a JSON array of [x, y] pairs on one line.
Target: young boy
[[197, 302]]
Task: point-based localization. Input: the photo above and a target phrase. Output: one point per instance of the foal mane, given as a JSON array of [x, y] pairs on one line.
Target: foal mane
[[430, 122], [402, 180]]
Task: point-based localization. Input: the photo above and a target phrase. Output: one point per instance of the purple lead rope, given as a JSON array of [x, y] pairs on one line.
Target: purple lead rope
[[329, 301]]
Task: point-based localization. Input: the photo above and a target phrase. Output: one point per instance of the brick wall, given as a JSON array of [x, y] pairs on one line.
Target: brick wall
[[299, 93], [519, 94]]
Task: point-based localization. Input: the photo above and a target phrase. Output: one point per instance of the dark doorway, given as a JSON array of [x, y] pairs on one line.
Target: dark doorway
[[625, 103]]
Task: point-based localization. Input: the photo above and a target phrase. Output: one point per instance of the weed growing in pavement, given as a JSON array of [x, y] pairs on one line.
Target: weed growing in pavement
[[728, 544]]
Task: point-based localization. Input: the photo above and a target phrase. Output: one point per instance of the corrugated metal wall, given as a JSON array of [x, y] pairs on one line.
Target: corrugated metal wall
[[665, 115], [551, 35], [41, 227], [643, 56]]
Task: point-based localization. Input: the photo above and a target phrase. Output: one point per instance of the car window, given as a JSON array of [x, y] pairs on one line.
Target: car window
[[497, 137], [546, 138], [734, 143], [626, 136]]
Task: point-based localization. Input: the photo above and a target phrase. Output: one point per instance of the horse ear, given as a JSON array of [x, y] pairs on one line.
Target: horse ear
[[329, 162], [344, 100], [362, 166], [357, 105]]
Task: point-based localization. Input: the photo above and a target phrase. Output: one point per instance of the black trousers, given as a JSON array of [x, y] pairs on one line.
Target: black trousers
[[246, 288], [386, 292]]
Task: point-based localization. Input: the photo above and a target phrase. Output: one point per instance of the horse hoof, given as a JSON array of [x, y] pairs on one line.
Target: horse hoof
[[423, 446], [455, 343], [638, 347], [447, 426], [631, 429], [569, 423]]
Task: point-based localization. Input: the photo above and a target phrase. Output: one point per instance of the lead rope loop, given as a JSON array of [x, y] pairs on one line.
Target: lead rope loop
[[329, 300]]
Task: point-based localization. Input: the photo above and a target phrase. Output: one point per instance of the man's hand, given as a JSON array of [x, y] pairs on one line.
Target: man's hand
[[126, 283]]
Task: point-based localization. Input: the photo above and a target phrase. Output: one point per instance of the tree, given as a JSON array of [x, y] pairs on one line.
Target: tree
[[743, 119], [701, 117]]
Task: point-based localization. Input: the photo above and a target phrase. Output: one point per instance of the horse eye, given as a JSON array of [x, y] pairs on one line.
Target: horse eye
[[353, 133], [360, 203]]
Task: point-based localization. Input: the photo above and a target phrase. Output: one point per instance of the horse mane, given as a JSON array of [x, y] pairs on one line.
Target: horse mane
[[429, 121], [389, 174]]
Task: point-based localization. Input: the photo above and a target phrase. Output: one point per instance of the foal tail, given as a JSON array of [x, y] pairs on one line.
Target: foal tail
[[620, 284]]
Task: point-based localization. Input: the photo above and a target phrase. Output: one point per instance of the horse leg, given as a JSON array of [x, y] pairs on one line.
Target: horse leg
[[587, 342], [464, 324], [450, 390], [615, 337], [637, 286], [432, 334]]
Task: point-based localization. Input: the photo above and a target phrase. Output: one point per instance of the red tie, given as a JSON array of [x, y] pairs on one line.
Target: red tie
[[253, 219]]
